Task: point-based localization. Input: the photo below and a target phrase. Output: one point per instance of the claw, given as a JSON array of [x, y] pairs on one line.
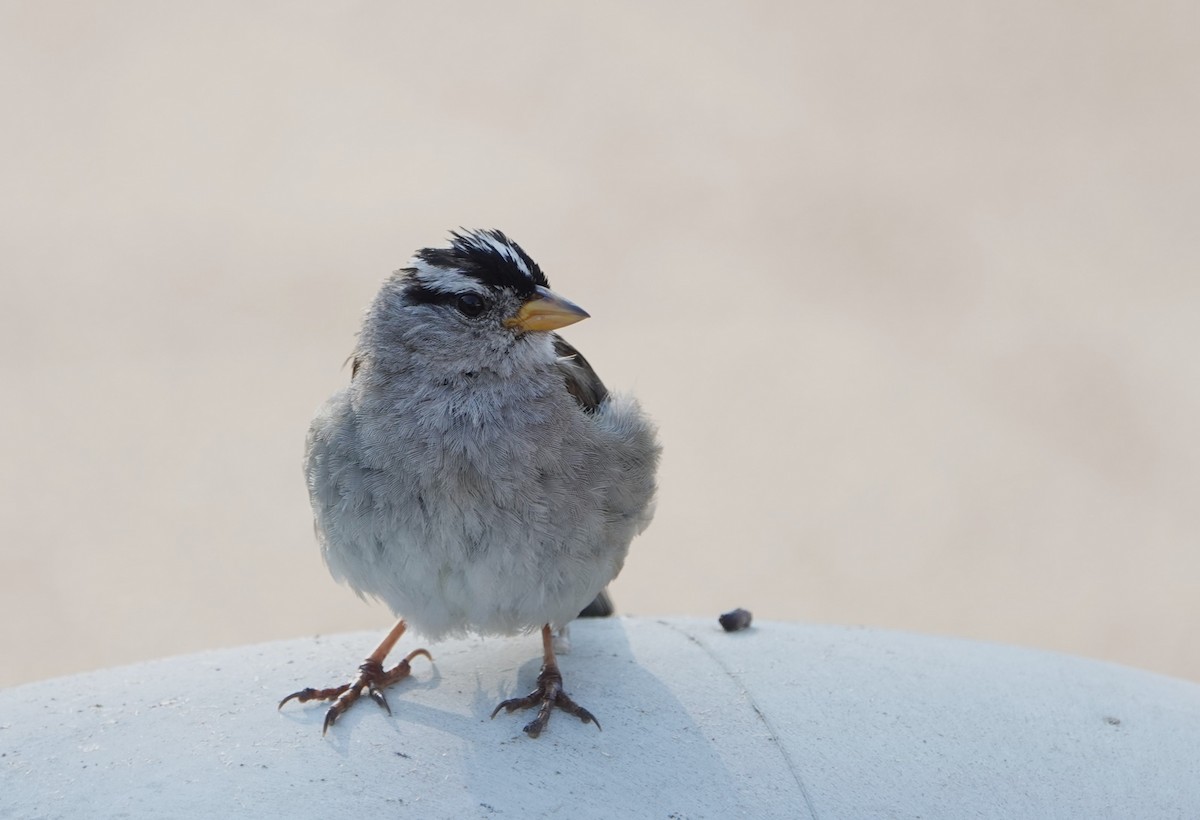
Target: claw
[[548, 694], [378, 697], [511, 705], [573, 708], [408, 658], [303, 694], [372, 679]]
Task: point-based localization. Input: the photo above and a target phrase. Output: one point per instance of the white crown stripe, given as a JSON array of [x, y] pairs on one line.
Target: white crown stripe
[[506, 251], [444, 280]]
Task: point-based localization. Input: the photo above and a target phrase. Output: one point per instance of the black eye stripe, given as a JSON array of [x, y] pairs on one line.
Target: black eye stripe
[[469, 304], [421, 295]]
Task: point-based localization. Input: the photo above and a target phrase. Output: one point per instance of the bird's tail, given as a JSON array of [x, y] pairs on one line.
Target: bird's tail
[[601, 607]]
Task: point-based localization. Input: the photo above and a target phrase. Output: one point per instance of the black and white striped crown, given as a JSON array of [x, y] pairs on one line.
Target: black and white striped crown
[[489, 257]]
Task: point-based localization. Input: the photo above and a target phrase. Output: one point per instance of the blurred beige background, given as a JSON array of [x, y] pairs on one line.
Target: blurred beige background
[[913, 290]]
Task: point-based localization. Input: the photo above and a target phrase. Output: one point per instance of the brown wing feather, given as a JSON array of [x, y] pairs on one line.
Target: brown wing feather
[[582, 381]]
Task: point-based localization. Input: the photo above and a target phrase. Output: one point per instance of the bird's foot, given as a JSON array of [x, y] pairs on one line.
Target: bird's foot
[[372, 679], [549, 693]]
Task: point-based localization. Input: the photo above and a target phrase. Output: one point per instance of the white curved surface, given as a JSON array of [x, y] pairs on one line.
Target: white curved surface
[[783, 720]]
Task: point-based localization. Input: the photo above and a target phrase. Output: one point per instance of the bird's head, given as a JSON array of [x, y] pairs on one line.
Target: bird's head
[[478, 303]]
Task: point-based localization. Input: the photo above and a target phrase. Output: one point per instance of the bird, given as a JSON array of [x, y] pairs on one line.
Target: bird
[[475, 474]]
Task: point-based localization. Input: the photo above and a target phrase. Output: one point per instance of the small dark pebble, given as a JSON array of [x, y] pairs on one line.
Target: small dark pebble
[[735, 621]]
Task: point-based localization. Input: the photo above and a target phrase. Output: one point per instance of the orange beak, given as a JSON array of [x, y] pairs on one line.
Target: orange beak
[[546, 311]]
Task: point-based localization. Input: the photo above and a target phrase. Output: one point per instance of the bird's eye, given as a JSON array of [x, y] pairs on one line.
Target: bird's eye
[[469, 304]]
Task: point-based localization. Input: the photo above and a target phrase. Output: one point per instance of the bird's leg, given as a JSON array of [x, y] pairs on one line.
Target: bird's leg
[[372, 678], [549, 693]]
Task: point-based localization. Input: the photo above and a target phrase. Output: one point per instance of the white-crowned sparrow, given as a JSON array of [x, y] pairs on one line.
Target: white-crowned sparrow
[[475, 475]]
